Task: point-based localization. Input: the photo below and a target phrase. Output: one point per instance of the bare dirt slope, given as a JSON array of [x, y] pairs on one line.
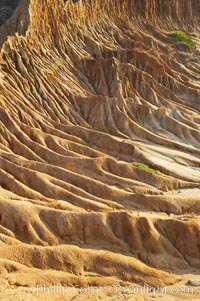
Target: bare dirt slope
[[87, 91]]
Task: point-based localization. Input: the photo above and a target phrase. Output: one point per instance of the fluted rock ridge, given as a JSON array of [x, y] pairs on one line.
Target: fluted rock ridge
[[99, 143]]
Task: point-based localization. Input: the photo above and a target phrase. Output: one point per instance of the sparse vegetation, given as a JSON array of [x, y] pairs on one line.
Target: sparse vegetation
[[146, 168], [183, 39]]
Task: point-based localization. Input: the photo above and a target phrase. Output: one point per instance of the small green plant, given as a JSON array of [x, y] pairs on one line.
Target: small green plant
[[183, 39], [146, 168]]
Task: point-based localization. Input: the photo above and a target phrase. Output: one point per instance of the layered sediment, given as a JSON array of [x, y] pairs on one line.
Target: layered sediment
[[86, 90]]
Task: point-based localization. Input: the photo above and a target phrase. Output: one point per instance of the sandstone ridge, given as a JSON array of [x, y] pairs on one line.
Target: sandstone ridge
[[99, 143]]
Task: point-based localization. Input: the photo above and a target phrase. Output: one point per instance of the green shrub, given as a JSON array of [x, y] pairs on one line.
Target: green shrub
[[183, 39], [146, 168]]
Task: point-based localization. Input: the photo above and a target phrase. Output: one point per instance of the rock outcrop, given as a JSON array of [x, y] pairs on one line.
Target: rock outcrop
[[86, 89]]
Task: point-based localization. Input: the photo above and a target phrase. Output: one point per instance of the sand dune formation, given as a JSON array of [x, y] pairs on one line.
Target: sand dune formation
[[87, 89]]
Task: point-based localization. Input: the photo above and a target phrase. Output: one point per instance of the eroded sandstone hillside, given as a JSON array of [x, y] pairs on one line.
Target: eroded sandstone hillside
[[99, 145]]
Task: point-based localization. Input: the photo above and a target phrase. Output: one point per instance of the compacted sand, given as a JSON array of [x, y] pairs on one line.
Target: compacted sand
[[100, 151]]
